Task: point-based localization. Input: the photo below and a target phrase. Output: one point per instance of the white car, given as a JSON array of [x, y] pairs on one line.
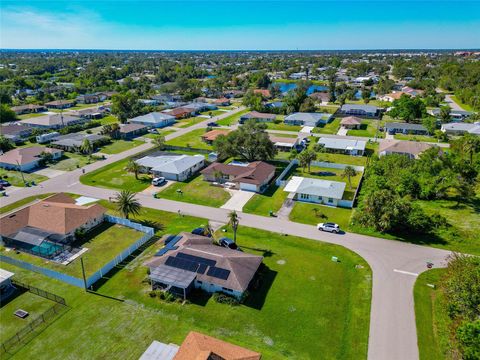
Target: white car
[[330, 227], [158, 181]]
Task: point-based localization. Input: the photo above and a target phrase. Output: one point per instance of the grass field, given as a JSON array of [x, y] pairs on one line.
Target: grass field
[[271, 200], [114, 176], [29, 116], [71, 161], [9, 323], [283, 127], [118, 146], [213, 112], [313, 214], [342, 159], [196, 191], [368, 128], [192, 139], [15, 177], [232, 119], [415, 138], [330, 128], [109, 119], [103, 244], [431, 317], [184, 123], [159, 132]]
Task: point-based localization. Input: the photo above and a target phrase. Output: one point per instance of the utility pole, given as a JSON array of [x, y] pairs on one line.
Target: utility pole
[[83, 274], [21, 173]]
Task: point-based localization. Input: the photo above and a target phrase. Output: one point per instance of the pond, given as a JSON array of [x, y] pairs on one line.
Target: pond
[[286, 87]]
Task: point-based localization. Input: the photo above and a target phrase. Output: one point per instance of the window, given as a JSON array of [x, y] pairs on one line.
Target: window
[[227, 289], [304, 196], [199, 282], [330, 200]]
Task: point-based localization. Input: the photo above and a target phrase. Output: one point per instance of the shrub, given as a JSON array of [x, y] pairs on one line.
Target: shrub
[[222, 298]]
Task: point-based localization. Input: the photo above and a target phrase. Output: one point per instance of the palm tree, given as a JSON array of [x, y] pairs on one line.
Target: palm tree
[[348, 172], [306, 157], [233, 221], [133, 167], [159, 142], [127, 204], [86, 147]]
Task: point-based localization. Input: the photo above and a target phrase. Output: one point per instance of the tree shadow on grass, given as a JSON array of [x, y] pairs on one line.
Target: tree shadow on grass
[[265, 252]]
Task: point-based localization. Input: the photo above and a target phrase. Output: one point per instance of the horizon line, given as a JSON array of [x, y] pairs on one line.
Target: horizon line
[[239, 50]]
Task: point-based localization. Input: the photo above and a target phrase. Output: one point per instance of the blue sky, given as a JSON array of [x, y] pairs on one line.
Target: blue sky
[[237, 25]]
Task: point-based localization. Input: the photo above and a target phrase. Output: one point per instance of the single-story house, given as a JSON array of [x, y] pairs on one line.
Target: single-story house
[[130, 131], [47, 137], [455, 115], [284, 143], [322, 97], [351, 122], [88, 99], [410, 148], [154, 120], [392, 96], [54, 121], [308, 119], [172, 167], [27, 159], [315, 190], [257, 116], [203, 347], [90, 113], [44, 227], [456, 128], [149, 102], [343, 146], [194, 262], [29, 108], [16, 131], [72, 142], [274, 105], [233, 93], [405, 128], [60, 104], [6, 287], [411, 91], [222, 101], [198, 107], [180, 112], [368, 111], [254, 176], [210, 136], [264, 92]]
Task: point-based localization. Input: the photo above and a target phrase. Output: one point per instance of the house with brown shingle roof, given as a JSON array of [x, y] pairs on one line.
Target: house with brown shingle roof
[[27, 159], [29, 108], [257, 116], [351, 122], [48, 224], [264, 92], [254, 176], [412, 149], [194, 262], [60, 104], [210, 136]]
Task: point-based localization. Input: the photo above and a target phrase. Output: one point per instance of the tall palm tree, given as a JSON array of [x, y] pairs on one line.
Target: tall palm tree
[[86, 147], [127, 204], [133, 167], [233, 221], [348, 172]]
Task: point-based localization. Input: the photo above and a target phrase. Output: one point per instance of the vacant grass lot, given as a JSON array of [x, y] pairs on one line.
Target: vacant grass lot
[[109, 119], [368, 128], [415, 138], [192, 139], [118, 146], [342, 159], [431, 317], [313, 214], [330, 128], [29, 116], [196, 191], [103, 244], [232, 119], [15, 177], [9, 323], [71, 161], [114, 176], [283, 127], [184, 123], [159, 132]]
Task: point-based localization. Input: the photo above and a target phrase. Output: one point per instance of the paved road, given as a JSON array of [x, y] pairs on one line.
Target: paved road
[[394, 264], [453, 105]]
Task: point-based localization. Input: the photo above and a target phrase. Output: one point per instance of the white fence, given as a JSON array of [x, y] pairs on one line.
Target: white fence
[[148, 234]]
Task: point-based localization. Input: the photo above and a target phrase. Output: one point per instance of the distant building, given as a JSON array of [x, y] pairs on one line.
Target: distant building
[[343, 146], [368, 111], [351, 122], [29, 108], [172, 167], [130, 131], [257, 116], [16, 132], [74, 141], [412, 149], [88, 99], [455, 115], [308, 119], [456, 128], [284, 143], [55, 121], [154, 120], [27, 159], [264, 92], [405, 128], [60, 104], [210, 136]]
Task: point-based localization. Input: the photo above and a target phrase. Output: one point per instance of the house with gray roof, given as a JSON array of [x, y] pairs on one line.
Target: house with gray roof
[[308, 119], [315, 190], [368, 111], [172, 167], [73, 142], [405, 128], [154, 120], [343, 146], [54, 121], [455, 115], [461, 128]]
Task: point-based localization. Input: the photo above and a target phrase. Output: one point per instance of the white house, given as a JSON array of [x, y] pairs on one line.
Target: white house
[[27, 159], [456, 128], [172, 167], [308, 119], [315, 190], [343, 146], [154, 119]]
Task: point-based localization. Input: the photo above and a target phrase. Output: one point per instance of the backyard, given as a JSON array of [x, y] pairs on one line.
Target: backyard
[[195, 191], [330, 128], [191, 139], [115, 176]]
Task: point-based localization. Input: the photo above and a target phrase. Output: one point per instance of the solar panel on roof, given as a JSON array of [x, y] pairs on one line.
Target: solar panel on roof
[[197, 259], [218, 273], [169, 245], [181, 264], [201, 269]]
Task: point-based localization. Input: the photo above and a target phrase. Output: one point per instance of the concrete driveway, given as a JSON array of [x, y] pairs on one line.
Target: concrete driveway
[[50, 173], [342, 131], [238, 200]]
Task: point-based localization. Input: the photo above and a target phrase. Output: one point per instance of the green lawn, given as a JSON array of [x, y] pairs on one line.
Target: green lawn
[[15, 177], [71, 161], [292, 136], [114, 176], [431, 317], [24, 201], [103, 244], [9, 323], [192, 139], [283, 127], [330, 128], [312, 214], [118, 146], [271, 200], [29, 116], [159, 132], [109, 119], [213, 113], [232, 119], [342, 159], [184, 123], [196, 191], [415, 138], [368, 128], [462, 105]]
